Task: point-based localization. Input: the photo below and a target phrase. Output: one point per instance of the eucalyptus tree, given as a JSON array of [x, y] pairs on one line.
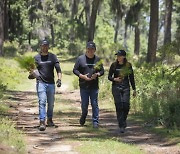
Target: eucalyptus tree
[[153, 31]]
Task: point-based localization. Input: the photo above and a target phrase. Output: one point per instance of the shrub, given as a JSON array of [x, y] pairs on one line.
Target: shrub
[[158, 94]]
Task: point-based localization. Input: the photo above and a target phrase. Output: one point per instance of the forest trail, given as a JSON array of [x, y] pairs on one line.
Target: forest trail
[[62, 138]]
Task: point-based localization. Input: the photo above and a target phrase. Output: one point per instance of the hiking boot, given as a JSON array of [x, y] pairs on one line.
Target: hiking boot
[[122, 129], [42, 126], [50, 122], [95, 125], [82, 121]]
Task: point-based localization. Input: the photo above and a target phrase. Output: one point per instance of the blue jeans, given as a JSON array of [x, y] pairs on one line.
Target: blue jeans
[[91, 94], [45, 94]]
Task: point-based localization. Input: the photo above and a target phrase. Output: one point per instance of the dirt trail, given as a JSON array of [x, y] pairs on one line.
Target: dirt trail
[[59, 139]]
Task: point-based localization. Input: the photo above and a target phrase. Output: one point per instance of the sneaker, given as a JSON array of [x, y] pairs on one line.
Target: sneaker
[[122, 129], [50, 122], [95, 125], [42, 126], [82, 121]]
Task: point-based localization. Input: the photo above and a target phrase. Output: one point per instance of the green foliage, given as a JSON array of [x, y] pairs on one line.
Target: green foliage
[[98, 65], [2, 89], [9, 135], [125, 70], [26, 62], [158, 94], [169, 51], [10, 49], [105, 89], [10, 74], [75, 83]]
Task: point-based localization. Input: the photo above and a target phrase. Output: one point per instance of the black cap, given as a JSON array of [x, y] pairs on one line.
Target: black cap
[[91, 44], [120, 53], [44, 42]]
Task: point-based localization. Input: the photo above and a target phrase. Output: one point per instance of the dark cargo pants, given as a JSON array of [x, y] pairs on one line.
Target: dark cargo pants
[[122, 103]]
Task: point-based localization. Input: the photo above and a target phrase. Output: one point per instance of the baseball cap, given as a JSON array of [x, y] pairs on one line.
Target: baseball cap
[[44, 42], [91, 44], [120, 53]]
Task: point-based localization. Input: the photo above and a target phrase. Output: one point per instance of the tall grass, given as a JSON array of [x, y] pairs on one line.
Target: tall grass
[[10, 136]]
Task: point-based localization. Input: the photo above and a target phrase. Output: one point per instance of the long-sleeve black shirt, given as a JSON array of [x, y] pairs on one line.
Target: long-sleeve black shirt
[[115, 71], [45, 65], [85, 65]]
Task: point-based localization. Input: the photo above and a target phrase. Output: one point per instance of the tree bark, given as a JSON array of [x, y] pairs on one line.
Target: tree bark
[[137, 40], [74, 8], [52, 33], [153, 31], [1, 26], [87, 12], [116, 28], [167, 23], [95, 5], [6, 20]]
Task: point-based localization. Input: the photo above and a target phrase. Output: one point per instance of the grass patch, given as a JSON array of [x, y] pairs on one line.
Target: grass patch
[[108, 146], [10, 136], [67, 74]]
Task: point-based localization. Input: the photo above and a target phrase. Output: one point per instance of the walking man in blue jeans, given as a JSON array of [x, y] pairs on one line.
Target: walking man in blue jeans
[[89, 68], [46, 62]]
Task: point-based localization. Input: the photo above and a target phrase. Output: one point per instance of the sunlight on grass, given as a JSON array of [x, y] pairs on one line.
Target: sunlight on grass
[[67, 74], [107, 147], [10, 136]]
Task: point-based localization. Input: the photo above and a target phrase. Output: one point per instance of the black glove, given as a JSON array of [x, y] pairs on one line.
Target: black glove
[[58, 82], [31, 76]]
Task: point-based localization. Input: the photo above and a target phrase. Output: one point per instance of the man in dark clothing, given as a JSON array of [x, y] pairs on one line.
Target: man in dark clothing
[[88, 68], [121, 73], [46, 62]]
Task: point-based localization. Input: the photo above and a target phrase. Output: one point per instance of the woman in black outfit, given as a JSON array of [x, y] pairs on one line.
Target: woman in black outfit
[[121, 74]]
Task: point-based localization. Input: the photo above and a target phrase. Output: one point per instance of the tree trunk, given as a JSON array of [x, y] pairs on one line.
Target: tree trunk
[[52, 34], [74, 8], [116, 28], [137, 40], [167, 23], [153, 31], [87, 12], [95, 5], [6, 20], [1, 26]]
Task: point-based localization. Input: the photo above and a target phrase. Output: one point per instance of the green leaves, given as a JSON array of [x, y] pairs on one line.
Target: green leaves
[[125, 71], [26, 62], [98, 65]]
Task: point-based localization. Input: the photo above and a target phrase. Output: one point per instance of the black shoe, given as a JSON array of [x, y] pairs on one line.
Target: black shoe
[[50, 122], [95, 125], [42, 126], [122, 129], [82, 121]]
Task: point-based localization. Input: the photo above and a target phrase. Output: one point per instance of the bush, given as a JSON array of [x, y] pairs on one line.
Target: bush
[[158, 94], [10, 49]]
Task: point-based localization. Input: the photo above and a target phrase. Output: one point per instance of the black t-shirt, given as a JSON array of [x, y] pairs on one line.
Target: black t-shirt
[[45, 66], [85, 65]]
